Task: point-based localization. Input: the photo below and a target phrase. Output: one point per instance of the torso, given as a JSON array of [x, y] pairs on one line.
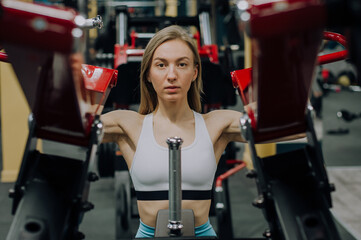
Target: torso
[[133, 129], [148, 209]]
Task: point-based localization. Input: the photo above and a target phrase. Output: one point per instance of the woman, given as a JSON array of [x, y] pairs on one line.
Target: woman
[[171, 84]]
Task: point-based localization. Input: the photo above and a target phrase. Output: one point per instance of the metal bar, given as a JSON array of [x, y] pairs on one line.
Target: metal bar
[[145, 35], [336, 56], [95, 22], [332, 57], [175, 186], [132, 4], [335, 37], [121, 26], [135, 52], [229, 173], [205, 28]]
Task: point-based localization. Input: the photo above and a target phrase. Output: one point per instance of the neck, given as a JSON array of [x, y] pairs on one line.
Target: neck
[[174, 111]]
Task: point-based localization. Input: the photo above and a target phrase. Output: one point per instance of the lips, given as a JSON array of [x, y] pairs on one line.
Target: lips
[[172, 89]]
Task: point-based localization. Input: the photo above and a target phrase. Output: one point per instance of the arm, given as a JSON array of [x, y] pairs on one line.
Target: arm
[[224, 126], [116, 124], [232, 130], [112, 129]]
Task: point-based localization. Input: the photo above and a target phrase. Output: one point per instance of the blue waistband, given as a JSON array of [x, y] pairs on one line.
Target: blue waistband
[[146, 231], [202, 228]]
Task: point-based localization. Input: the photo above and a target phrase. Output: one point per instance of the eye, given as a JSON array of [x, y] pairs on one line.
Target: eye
[[182, 65], [161, 65]]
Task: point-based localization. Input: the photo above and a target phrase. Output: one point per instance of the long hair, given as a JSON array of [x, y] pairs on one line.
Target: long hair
[[148, 96]]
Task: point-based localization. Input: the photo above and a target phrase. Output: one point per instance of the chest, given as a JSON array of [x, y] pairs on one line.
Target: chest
[[150, 169], [162, 132]]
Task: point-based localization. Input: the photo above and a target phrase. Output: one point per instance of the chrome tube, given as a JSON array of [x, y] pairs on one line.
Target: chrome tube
[[83, 23], [121, 26], [205, 28], [175, 186]]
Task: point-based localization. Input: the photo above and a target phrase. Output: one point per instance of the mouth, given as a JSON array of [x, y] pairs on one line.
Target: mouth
[[172, 89]]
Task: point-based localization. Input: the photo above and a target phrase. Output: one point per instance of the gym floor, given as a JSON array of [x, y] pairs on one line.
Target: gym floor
[[342, 157]]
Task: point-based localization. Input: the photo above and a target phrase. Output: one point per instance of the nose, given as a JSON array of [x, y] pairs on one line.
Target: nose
[[172, 73]]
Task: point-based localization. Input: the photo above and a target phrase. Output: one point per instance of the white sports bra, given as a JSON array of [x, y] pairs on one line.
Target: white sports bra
[[149, 170]]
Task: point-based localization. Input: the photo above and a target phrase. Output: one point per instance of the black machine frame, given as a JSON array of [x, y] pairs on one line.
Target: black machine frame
[[64, 183], [297, 181]]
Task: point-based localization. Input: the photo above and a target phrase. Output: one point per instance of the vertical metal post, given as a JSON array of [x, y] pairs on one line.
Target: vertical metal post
[[205, 28], [121, 26], [175, 186]]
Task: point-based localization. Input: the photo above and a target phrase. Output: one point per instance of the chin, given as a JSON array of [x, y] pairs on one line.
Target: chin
[[172, 98]]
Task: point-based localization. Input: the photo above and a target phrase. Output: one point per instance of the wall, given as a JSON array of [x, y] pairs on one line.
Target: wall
[[14, 126]]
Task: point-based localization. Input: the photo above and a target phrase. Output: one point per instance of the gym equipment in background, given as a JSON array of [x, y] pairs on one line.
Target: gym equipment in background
[[293, 187], [50, 195]]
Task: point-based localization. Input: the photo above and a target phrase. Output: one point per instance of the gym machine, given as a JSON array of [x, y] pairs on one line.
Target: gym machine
[[281, 181], [50, 195], [293, 187]]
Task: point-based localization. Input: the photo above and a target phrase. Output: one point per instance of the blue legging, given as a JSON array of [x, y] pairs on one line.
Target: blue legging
[[145, 231]]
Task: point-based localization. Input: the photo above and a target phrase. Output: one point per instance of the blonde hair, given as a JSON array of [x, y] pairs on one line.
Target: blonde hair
[[148, 96]]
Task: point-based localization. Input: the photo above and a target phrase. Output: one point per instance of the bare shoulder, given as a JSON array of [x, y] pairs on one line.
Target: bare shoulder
[[123, 116], [120, 123], [225, 116], [225, 122]]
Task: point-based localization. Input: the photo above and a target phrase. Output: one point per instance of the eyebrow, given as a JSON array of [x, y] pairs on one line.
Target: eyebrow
[[164, 59]]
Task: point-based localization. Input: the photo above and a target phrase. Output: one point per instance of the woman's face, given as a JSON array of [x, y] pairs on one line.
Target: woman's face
[[172, 70]]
